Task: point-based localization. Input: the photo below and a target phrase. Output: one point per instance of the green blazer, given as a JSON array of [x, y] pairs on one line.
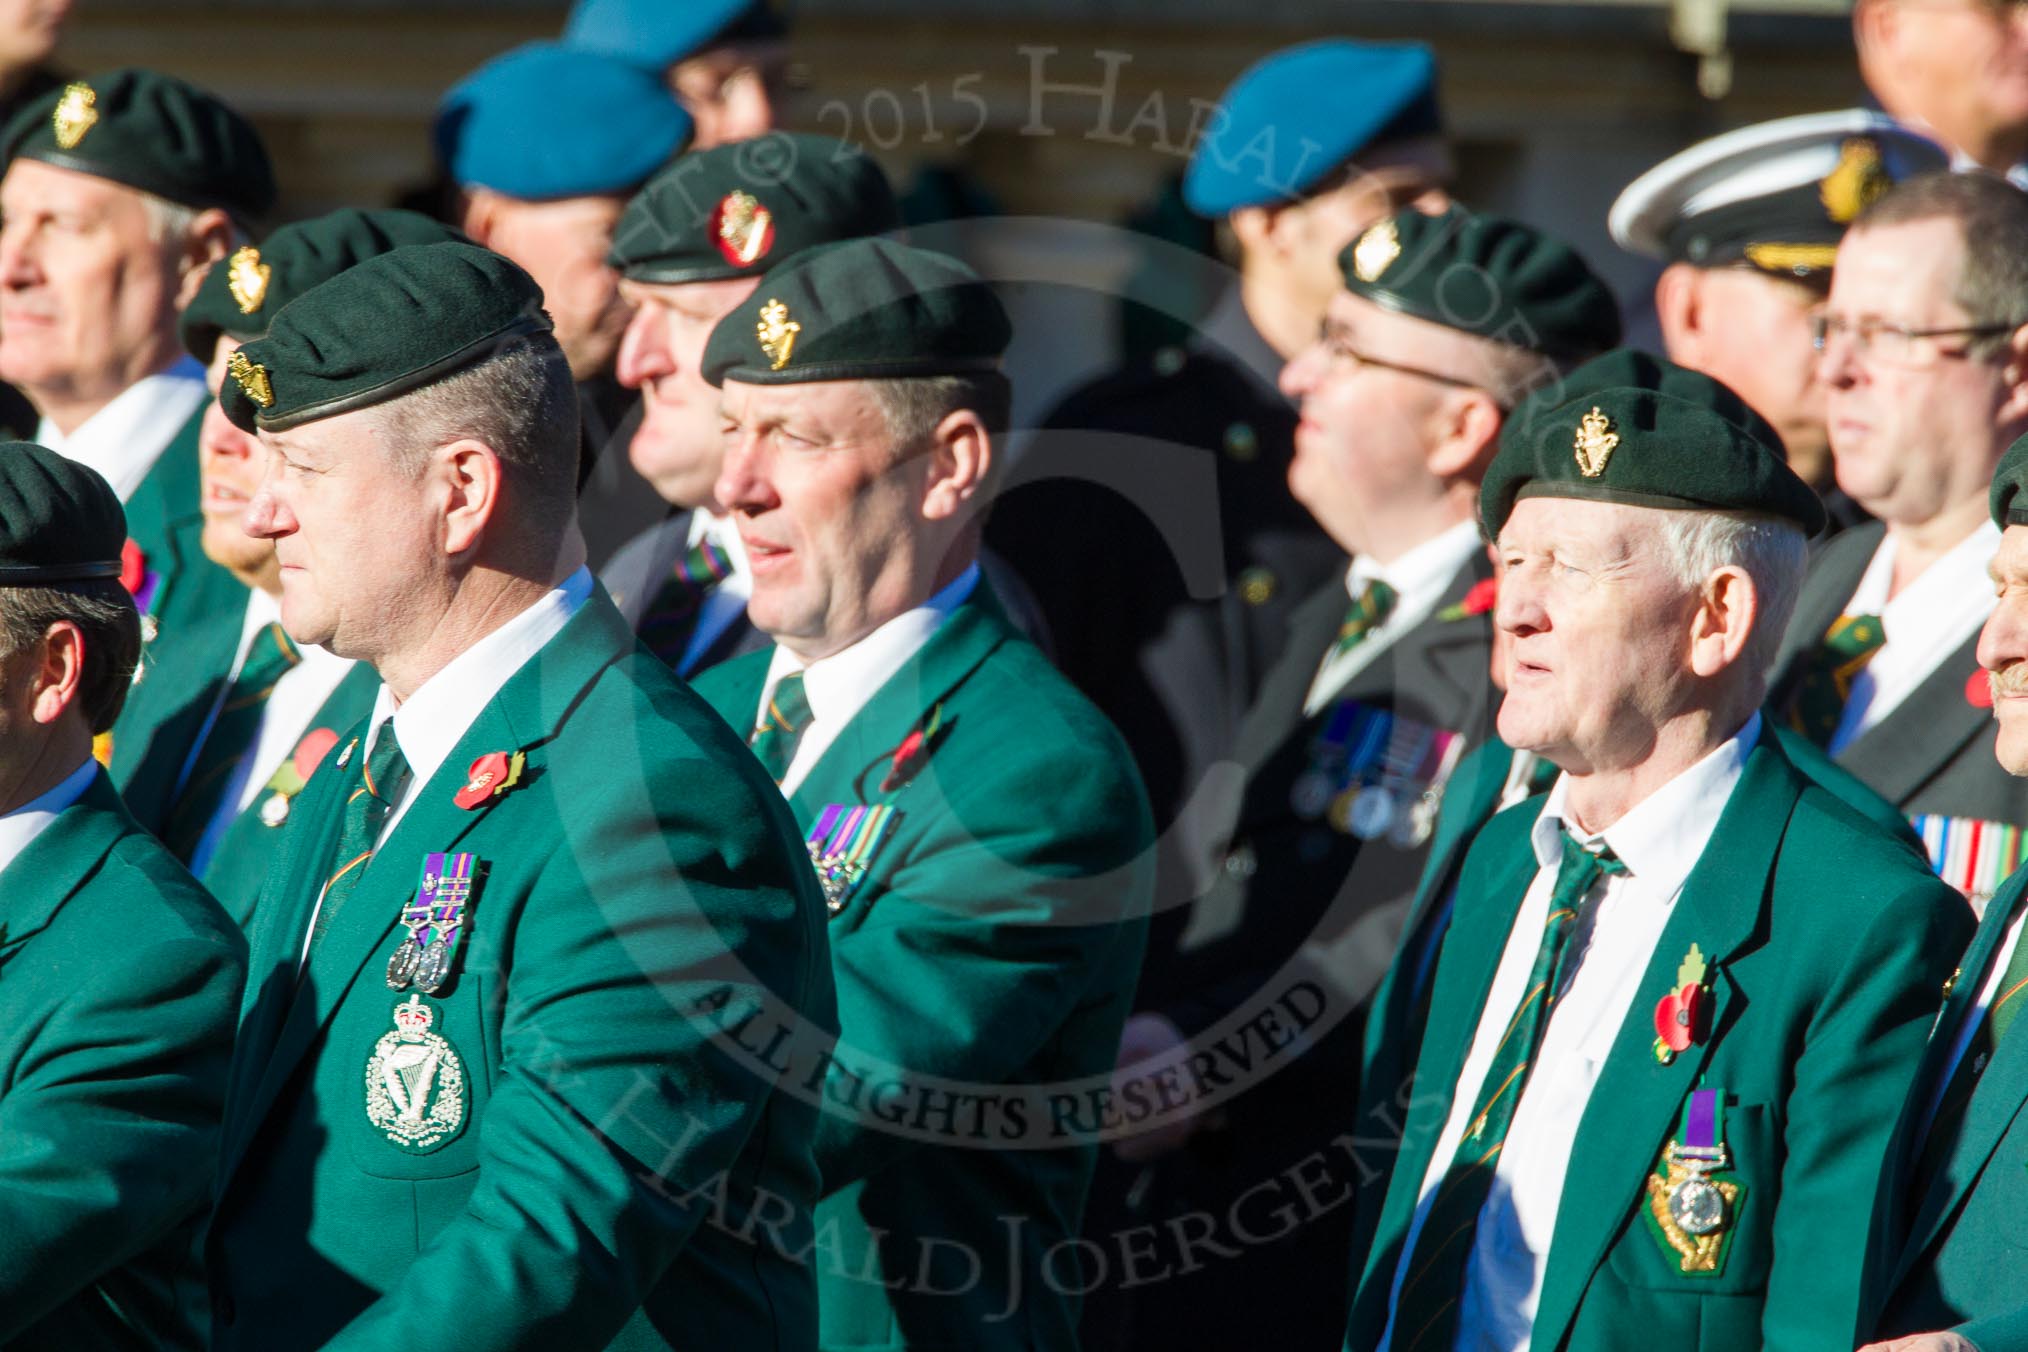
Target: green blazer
[[1950, 1258], [194, 611], [624, 1173], [119, 980], [246, 851], [1827, 940], [993, 940]]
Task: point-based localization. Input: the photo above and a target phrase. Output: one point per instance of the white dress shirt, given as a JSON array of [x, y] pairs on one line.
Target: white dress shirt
[[123, 440], [725, 604], [430, 722], [19, 828], [1419, 579], [285, 717], [839, 686], [1926, 623], [1659, 841]]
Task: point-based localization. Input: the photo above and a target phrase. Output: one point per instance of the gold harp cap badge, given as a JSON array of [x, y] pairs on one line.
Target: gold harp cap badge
[[247, 278], [777, 333], [76, 113], [252, 379], [1596, 442], [1856, 183], [1376, 251]]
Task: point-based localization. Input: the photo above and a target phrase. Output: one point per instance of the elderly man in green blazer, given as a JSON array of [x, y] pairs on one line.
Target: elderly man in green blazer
[[508, 1072], [983, 841], [214, 743], [1676, 994], [1943, 1274], [119, 976]]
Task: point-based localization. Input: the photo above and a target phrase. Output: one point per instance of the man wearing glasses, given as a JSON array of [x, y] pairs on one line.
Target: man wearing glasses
[[1924, 359], [1440, 326]]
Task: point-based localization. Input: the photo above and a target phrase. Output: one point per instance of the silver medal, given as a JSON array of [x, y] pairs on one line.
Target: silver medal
[[275, 809], [434, 967], [1697, 1206], [401, 967], [1372, 812]]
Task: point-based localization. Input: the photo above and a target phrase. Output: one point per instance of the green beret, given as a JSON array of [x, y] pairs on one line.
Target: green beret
[[59, 521], [1485, 276], [864, 309], [241, 295], [153, 132], [739, 209], [1674, 449], [382, 329], [2009, 477]]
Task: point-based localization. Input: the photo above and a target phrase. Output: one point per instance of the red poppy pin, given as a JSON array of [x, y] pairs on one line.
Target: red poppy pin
[[310, 752], [914, 752], [1681, 1016], [1979, 690], [133, 566], [1480, 599], [490, 776]]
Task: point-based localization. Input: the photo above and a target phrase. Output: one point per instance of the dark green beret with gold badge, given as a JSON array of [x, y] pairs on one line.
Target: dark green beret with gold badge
[[153, 132], [2010, 477], [387, 327], [242, 293], [739, 209], [1632, 368], [1485, 276], [59, 521], [1675, 448], [865, 309]]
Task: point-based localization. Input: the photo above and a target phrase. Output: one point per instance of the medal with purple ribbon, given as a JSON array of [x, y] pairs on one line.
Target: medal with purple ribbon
[[1696, 1203], [434, 917]]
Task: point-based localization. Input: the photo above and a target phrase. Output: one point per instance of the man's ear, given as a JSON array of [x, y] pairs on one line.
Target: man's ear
[[2014, 404], [960, 467], [468, 475], [1254, 227], [1727, 612], [1678, 304], [1469, 435], [478, 214], [209, 239], [60, 673]]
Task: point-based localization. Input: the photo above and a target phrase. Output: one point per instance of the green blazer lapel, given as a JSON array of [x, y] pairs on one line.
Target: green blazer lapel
[[1901, 752], [853, 765], [524, 716], [1636, 1102], [59, 860], [1987, 1117]]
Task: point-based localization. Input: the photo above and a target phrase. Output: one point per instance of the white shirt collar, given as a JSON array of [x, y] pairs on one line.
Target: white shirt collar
[[430, 722], [1419, 576], [19, 828], [123, 440], [1661, 839], [840, 685]]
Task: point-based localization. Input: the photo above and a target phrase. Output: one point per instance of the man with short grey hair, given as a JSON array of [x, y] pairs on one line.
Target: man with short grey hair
[[1924, 360], [1687, 985]]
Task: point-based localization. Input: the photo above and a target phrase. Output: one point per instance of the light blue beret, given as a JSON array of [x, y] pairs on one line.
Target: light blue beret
[[546, 121], [1297, 115], [656, 34]]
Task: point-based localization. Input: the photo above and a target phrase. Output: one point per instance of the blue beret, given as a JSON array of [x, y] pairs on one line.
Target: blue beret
[[1295, 116], [656, 34], [544, 121]]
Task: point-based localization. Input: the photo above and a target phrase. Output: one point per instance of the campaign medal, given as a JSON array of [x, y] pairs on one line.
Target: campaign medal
[[434, 918], [1372, 812], [1317, 787], [1691, 1211], [842, 844], [415, 1082]]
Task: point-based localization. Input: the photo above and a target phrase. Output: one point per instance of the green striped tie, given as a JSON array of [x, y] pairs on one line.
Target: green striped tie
[[1426, 1315], [1369, 611], [382, 777], [1818, 704], [232, 732], [782, 725]]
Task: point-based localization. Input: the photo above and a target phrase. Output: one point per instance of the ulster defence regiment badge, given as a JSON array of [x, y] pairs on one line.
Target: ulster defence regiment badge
[[247, 278], [777, 333], [415, 1083], [1596, 442], [76, 113]]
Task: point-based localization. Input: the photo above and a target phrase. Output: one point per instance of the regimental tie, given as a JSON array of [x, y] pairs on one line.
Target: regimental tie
[[2009, 1001], [671, 617], [781, 725], [1818, 704], [270, 657], [1369, 611], [382, 776], [1426, 1314]]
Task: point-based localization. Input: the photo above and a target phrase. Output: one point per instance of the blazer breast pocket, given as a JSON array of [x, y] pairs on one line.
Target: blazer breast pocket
[[1708, 1235], [421, 1083]]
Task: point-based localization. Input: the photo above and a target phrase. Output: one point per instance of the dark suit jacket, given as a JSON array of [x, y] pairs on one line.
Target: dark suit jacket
[[1934, 754], [640, 568]]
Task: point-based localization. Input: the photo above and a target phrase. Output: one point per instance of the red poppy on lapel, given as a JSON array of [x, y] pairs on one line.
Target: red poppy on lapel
[[133, 565], [1979, 690], [310, 752], [1483, 596], [914, 752], [490, 776]]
